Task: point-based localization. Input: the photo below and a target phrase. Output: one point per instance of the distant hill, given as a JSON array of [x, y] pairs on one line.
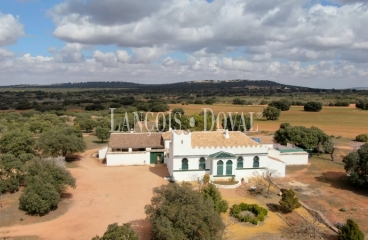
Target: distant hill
[[191, 84], [202, 88]]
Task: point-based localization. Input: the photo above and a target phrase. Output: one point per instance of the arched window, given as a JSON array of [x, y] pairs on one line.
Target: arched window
[[184, 164], [256, 162], [220, 168], [202, 163], [239, 163], [229, 167]]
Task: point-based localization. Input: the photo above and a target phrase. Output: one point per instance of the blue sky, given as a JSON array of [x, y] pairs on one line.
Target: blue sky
[[299, 42]]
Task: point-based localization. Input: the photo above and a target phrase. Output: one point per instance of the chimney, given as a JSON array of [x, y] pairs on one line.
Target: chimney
[[227, 134]]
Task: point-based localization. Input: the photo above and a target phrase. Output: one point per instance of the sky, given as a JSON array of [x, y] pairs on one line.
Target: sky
[[313, 43]]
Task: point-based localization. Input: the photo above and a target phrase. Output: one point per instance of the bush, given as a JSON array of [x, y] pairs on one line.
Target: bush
[[289, 201], [313, 107], [362, 137], [123, 232], [39, 198], [198, 101], [238, 101], [283, 105], [115, 105], [260, 212], [178, 110], [210, 101], [206, 178], [351, 231], [271, 113], [211, 192], [94, 107], [263, 102], [362, 104], [179, 212]]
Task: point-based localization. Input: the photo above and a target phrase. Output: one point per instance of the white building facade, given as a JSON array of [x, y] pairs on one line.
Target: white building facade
[[222, 155]]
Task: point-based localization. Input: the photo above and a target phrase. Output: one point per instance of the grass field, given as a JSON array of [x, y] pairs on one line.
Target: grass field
[[347, 122]]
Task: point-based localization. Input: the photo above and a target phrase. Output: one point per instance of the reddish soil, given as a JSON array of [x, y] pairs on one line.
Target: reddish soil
[[104, 195], [329, 191]]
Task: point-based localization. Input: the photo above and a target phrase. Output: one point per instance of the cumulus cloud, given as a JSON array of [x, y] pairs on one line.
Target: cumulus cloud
[[5, 54], [70, 53], [291, 41], [203, 28], [10, 29]]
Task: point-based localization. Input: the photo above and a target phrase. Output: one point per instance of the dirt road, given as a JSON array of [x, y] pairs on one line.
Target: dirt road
[[104, 195]]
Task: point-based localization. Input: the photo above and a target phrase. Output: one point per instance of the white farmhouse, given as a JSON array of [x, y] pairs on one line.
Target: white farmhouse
[[221, 154]]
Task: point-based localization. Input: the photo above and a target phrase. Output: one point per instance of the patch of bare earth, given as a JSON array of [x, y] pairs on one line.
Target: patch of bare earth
[[324, 187], [104, 195]]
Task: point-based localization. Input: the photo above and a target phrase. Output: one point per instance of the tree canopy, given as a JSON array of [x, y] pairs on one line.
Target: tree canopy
[[307, 138], [313, 107], [289, 201], [237, 122], [116, 232], [351, 231], [356, 166], [271, 113], [61, 141], [17, 142], [102, 133], [283, 104], [211, 192], [178, 212], [45, 181]]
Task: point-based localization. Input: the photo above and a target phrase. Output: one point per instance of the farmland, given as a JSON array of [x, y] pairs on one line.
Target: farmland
[[346, 122]]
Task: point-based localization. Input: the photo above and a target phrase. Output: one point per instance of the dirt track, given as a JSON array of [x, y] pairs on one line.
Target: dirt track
[[104, 195]]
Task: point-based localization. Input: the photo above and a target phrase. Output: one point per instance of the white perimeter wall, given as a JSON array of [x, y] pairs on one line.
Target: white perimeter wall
[[118, 159], [102, 153], [293, 158]]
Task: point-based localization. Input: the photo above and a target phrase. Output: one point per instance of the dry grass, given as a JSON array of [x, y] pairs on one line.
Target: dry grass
[[338, 121]]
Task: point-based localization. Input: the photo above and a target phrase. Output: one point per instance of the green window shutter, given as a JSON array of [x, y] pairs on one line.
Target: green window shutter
[[220, 168], [184, 164], [202, 163], [229, 167]]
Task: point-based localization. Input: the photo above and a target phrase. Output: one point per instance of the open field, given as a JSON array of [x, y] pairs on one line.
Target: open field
[[339, 121], [103, 196]]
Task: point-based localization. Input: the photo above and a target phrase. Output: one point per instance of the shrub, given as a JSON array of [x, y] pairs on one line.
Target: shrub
[[39, 198], [260, 212], [362, 104], [206, 178], [179, 212], [351, 231], [313, 107], [198, 101], [123, 232], [283, 105], [362, 137], [211, 192], [271, 113], [289, 201], [238, 101], [178, 110]]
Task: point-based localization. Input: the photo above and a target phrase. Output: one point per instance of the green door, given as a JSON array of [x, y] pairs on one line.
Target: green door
[[229, 167], [156, 157], [220, 168]]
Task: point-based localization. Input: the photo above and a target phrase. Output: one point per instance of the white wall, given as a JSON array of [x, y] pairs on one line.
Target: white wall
[[118, 159], [188, 175], [292, 158], [102, 153]]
